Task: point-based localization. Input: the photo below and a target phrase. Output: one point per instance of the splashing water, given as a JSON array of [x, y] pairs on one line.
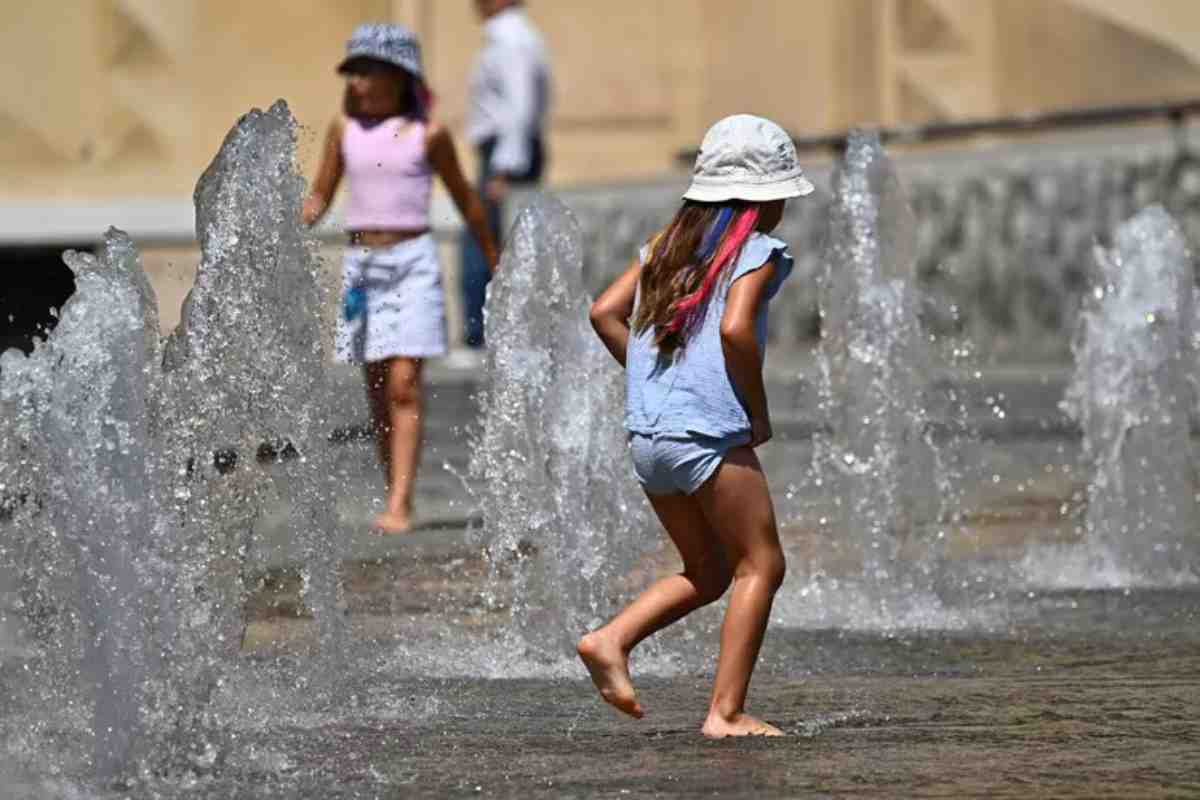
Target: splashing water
[[878, 458], [245, 374], [90, 388], [1132, 395], [132, 472], [130, 486], [562, 517]]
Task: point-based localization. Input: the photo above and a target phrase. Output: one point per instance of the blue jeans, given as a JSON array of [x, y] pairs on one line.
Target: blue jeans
[[475, 274]]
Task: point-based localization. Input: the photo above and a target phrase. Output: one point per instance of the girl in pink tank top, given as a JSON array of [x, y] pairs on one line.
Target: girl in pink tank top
[[393, 315]]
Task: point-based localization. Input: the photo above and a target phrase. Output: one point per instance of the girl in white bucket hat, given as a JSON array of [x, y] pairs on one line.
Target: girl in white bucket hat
[[687, 320]]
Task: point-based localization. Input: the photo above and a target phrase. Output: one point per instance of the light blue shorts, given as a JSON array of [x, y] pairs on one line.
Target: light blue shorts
[[673, 463]]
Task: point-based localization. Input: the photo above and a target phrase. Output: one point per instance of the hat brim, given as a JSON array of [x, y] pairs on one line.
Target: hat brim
[[798, 186], [344, 67]]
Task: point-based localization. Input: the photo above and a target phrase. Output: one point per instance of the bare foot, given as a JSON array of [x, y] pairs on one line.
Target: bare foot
[[718, 727], [609, 669], [392, 522]]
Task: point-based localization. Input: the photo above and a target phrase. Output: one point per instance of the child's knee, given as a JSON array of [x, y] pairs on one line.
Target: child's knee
[[404, 394], [776, 571], [769, 567]]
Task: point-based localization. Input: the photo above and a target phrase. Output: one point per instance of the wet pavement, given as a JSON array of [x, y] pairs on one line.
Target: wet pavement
[[1086, 694], [1007, 687]]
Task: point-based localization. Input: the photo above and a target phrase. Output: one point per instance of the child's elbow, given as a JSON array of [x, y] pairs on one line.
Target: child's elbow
[[598, 314], [735, 332]]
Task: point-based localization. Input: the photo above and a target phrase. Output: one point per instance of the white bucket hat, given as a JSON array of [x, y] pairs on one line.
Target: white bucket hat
[[745, 157]]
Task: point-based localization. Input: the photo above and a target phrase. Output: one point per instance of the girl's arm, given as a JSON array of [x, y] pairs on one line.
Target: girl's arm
[[329, 175], [611, 312], [441, 153], [743, 357]]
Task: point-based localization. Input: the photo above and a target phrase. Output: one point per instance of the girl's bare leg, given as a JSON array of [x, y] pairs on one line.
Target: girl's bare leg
[[704, 579], [405, 415], [376, 374], [737, 505]]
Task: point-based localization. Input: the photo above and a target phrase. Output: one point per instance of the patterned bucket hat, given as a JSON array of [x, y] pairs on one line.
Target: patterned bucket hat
[[745, 157], [387, 42]]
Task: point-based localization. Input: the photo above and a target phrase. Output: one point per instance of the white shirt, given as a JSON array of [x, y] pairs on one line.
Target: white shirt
[[510, 90]]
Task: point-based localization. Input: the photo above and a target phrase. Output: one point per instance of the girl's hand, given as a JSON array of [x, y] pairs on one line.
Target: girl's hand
[[739, 343], [314, 207], [760, 431], [490, 255]]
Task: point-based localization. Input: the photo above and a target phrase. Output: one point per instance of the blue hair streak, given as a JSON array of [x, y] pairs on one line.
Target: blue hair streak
[[708, 245]]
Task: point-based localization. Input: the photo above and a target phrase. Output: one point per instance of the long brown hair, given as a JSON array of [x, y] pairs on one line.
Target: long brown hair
[[687, 260]]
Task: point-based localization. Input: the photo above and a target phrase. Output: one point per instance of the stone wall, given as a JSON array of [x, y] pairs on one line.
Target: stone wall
[[1004, 238]]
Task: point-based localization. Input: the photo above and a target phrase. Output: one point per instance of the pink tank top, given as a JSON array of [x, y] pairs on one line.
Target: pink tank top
[[390, 178]]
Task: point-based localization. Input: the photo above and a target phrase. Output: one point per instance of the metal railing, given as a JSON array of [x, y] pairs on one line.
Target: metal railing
[[1175, 113]]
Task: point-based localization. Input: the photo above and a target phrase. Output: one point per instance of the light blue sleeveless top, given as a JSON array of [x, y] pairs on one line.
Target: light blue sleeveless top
[[692, 393]]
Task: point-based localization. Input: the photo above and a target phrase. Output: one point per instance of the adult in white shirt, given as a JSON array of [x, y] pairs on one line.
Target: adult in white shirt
[[510, 93]]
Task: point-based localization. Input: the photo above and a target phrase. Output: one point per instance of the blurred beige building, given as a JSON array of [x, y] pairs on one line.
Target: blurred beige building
[[130, 98], [110, 109]]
